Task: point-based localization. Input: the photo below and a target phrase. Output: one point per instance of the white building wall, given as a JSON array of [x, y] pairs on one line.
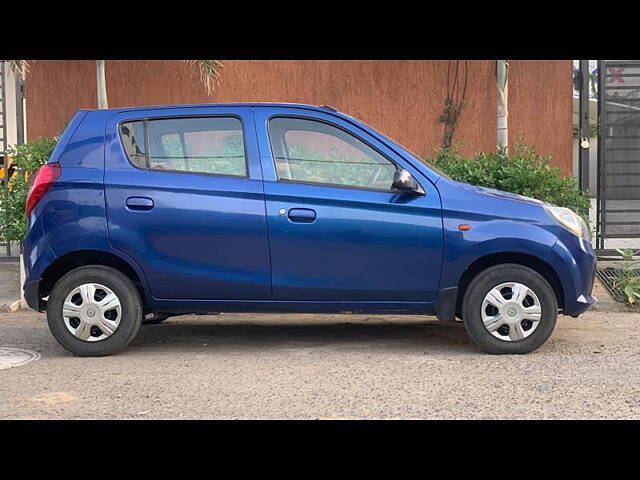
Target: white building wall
[[10, 106]]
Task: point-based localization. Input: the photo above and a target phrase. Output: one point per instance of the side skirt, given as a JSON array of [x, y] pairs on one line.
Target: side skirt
[[281, 306]]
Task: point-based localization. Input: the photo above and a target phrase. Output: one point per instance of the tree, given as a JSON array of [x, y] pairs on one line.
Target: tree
[[209, 70], [19, 67]]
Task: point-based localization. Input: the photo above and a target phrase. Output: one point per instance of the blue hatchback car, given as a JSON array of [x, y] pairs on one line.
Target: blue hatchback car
[[144, 213]]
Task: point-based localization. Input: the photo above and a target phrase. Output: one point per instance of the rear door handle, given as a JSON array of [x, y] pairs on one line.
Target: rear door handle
[[139, 203], [302, 215]]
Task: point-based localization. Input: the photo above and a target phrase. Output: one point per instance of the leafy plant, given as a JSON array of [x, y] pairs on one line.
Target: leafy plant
[[25, 159], [522, 171], [209, 71], [225, 157], [338, 167], [454, 102], [628, 279], [593, 131]]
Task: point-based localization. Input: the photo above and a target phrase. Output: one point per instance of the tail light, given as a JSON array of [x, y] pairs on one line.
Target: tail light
[[43, 179]]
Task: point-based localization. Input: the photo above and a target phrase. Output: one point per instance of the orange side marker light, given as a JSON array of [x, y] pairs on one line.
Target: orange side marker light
[[464, 227]]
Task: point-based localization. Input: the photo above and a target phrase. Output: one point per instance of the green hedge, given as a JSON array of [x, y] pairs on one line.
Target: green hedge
[[26, 159], [522, 171]]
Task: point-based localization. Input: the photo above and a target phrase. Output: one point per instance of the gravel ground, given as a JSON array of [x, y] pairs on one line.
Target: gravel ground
[[331, 366]]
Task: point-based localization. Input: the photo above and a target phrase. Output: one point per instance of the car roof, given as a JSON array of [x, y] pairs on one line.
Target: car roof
[[237, 104]]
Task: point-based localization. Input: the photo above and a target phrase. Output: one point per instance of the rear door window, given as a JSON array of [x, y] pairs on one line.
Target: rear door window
[[211, 145]]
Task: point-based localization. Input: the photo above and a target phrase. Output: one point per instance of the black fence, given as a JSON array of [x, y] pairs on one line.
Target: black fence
[[618, 212]]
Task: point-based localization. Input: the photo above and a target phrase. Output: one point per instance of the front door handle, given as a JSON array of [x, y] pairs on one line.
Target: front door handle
[[302, 215], [139, 203]]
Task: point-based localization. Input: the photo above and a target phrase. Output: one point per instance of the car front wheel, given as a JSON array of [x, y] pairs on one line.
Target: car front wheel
[[94, 311], [509, 309]]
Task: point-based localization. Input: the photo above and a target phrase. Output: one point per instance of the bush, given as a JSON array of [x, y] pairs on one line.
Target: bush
[[628, 279], [522, 171], [26, 159]]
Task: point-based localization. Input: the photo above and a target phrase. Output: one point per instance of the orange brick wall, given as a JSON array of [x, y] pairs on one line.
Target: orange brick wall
[[402, 99]]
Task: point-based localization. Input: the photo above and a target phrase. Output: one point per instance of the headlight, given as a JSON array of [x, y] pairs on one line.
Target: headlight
[[569, 220]]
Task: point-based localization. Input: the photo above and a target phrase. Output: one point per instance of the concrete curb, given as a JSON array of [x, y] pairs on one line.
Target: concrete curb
[[614, 307]]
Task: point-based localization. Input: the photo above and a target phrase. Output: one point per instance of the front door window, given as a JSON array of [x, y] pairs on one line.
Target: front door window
[[310, 151]]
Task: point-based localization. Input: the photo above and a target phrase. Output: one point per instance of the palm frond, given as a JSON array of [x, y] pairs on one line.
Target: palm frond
[[209, 71], [19, 67]]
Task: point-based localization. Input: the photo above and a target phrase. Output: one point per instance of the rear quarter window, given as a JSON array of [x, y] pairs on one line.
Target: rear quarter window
[[132, 136]]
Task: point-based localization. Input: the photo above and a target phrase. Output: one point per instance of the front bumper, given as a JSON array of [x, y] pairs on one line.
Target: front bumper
[[575, 263]]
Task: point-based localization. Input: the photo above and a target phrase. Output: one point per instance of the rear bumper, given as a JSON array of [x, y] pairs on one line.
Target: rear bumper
[[37, 257], [32, 297]]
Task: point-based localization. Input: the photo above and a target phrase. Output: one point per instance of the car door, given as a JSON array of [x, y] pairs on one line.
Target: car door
[[185, 201], [336, 229]]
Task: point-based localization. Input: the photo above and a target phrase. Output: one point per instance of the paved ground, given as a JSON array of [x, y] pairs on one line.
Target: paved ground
[[9, 283], [314, 366], [311, 366]]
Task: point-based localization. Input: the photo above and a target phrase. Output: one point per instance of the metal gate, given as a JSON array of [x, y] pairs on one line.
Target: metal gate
[[618, 195]]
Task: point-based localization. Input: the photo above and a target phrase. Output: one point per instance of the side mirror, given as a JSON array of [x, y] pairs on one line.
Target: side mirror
[[405, 183]]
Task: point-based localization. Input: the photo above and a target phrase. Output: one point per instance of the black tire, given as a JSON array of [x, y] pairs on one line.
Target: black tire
[[156, 319], [492, 277], [130, 303]]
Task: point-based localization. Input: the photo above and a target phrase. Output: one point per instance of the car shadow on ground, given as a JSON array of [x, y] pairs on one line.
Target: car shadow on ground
[[416, 337]]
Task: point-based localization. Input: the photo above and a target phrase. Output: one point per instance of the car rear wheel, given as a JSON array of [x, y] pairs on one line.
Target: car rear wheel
[[94, 311], [509, 309]]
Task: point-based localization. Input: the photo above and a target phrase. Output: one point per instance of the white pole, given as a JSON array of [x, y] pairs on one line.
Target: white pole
[[502, 69], [23, 278], [102, 85], [20, 304]]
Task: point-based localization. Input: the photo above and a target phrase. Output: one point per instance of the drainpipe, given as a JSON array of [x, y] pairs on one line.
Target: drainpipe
[[19, 110]]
